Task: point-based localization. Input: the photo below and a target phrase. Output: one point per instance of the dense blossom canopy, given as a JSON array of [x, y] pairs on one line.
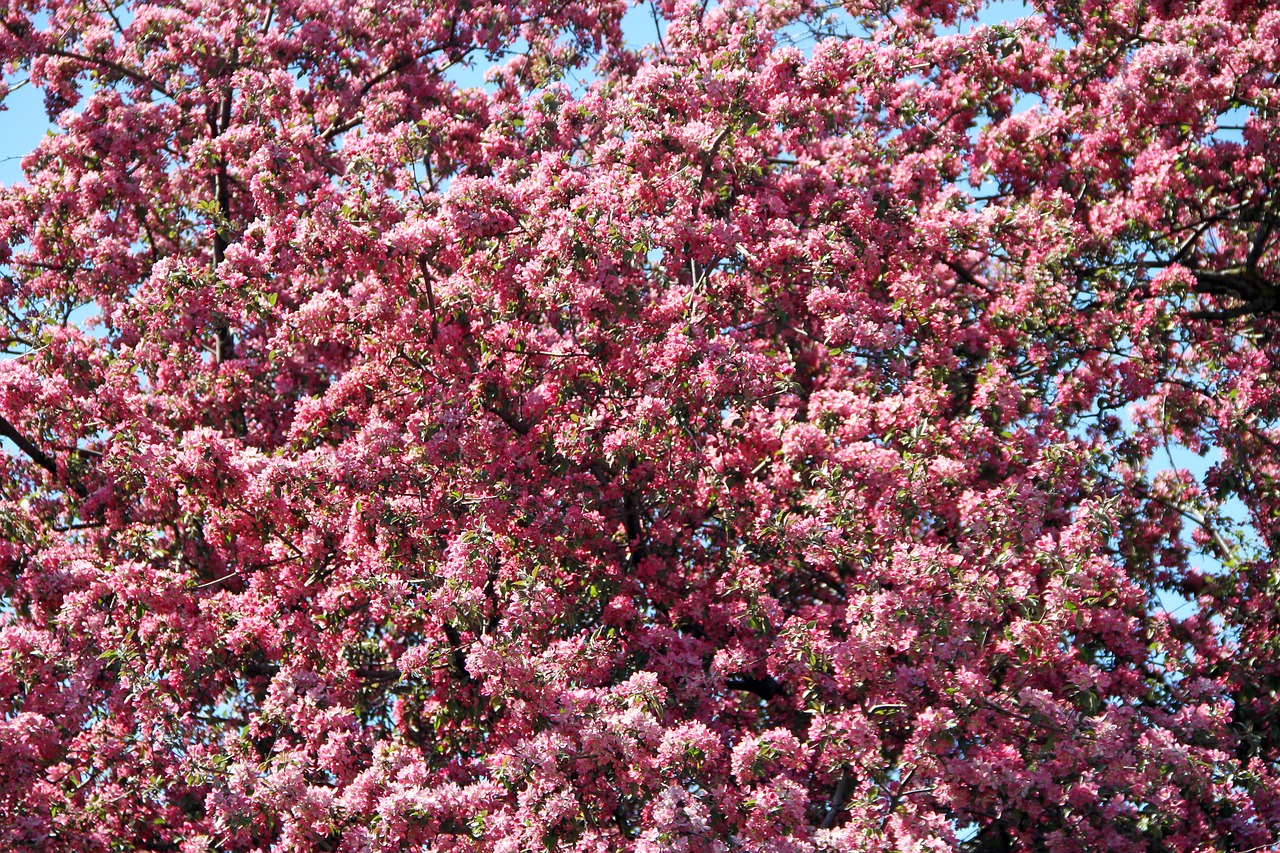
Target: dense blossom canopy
[[771, 439]]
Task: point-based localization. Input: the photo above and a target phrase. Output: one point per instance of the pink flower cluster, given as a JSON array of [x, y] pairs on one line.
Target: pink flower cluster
[[775, 438]]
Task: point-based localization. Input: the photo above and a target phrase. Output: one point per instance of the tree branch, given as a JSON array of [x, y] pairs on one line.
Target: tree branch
[[836, 803], [124, 70], [459, 657], [709, 156], [1259, 295], [1259, 246], [431, 294], [36, 455], [766, 688], [225, 343]]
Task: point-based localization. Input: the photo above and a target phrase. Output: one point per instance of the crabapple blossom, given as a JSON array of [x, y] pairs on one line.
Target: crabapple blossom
[[830, 427]]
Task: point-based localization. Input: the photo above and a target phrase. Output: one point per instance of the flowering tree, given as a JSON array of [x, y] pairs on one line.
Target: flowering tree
[[758, 446]]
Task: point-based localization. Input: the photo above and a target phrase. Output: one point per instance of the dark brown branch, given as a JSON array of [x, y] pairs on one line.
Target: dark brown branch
[[459, 657], [516, 423], [766, 688], [225, 344], [968, 277], [490, 583], [1259, 246], [636, 550], [1231, 313], [36, 455], [1190, 243], [1209, 395], [624, 824], [339, 128], [123, 70], [1258, 294], [709, 156], [836, 803], [900, 794], [1245, 283], [431, 294], [255, 669], [375, 674]]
